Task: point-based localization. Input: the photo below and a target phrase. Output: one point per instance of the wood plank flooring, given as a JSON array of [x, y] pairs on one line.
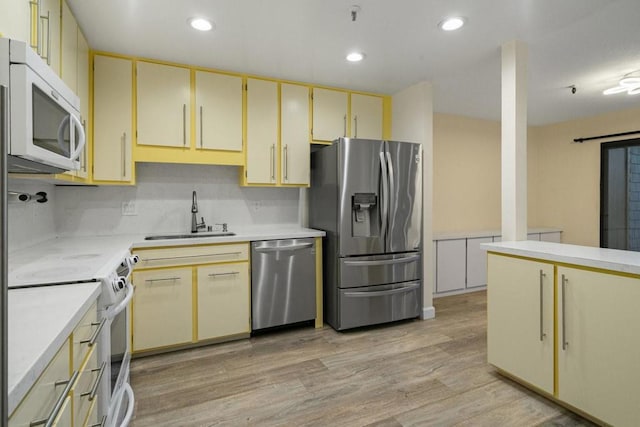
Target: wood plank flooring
[[414, 373]]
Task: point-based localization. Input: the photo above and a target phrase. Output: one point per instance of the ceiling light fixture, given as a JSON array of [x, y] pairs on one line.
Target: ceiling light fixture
[[452, 24], [355, 57], [631, 85], [201, 24]]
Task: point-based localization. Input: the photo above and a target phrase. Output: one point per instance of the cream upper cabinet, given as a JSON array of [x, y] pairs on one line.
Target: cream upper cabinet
[[262, 131], [49, 37], [520, 334], [164, 100], [83, 94], [69, 46], [15, 19], [224, 303], [366, 116], [218, 111], [329, 114], [598, 346], [294, 145], [162, 308], [112, 119]]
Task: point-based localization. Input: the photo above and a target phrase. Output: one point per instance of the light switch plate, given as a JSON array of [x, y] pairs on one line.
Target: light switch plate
[[129, 208]]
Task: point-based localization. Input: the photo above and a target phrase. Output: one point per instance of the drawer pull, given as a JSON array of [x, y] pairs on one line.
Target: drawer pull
[[189, 256], [94, 337], [48, 422], [94, 387], [231, 273], [162, 280], [101, 423]]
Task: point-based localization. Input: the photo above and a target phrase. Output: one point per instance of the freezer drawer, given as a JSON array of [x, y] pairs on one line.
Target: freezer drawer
[[283, 282], [378, 304], [379, 269]]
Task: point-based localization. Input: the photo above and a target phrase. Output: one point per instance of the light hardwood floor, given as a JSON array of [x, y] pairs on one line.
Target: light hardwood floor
[[406, 374]]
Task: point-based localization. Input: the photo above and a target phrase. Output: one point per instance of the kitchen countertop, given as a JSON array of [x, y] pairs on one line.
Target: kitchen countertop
[[453, 235], [586, 256], [40, 319]]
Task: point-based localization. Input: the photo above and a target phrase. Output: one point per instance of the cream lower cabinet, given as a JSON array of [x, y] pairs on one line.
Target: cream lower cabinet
[[520, 319], [187, 294], [598, 345], [295, 146], [112, 122], [223, 300], [593, 367], [162, 308], [262, 132]]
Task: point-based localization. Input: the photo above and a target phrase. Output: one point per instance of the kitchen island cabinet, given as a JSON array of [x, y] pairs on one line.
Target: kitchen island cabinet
[[560, 320]]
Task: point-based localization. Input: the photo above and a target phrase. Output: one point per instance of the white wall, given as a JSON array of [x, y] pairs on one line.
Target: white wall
[[163, 202], [30, 222], [413, 122]]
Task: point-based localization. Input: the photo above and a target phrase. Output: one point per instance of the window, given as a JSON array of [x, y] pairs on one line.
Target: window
[[620, 195]]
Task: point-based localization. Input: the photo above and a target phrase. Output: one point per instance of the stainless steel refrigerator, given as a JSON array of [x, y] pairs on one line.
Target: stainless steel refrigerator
[[367, 196]]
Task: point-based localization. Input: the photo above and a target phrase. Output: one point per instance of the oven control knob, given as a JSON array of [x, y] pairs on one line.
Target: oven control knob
[[134, 259], [119, 284]]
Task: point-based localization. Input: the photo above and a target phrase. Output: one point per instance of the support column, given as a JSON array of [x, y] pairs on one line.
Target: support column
[[514, 141]]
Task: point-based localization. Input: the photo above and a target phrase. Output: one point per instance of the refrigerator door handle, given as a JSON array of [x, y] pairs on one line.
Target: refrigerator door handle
[[384, 196], [392, 195], [384, 261], [365, 294]]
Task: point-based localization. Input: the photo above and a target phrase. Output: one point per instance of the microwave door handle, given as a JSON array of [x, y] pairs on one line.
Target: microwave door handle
[[82, 137]]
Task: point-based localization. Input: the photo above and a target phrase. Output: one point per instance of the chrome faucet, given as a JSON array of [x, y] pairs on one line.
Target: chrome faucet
[[194, 210]]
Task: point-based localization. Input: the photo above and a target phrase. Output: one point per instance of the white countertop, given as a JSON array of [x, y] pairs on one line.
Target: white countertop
[[587, 256], [40, 319], [453, 235]]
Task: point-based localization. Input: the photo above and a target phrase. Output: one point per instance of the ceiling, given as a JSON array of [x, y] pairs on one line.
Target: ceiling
[[587, 43]]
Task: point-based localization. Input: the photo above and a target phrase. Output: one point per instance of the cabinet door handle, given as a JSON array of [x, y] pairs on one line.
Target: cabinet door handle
[[94, 337], [273, 163], [47, 422], [94, 388], [123, 140], [286, 163], [565, 343], [355, 122], [167, 279], [201, 137], [230, 273], [37, 21], [344, 120], [542, 276], [188, 256], [184, 125], [48, 56]]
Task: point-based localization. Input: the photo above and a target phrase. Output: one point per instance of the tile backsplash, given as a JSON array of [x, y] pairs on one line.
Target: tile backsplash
[[161, 202], [30, 222]]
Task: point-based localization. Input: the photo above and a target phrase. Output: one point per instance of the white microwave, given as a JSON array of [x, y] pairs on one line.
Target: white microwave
[[45, 131]]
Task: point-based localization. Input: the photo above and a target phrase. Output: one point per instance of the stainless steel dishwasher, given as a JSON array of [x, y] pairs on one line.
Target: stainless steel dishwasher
[[283, 282]]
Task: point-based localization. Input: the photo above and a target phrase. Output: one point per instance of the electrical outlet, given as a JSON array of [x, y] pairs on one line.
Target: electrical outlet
[[129, 208]]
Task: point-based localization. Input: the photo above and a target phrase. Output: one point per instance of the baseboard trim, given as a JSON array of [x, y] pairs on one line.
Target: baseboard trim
[[428, 312]]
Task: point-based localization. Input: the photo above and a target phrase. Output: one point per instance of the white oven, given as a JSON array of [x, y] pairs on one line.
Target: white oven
[[116, 396], [46, 133]]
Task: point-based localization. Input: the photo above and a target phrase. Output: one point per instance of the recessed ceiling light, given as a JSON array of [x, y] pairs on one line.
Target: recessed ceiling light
[[355, 56], [200, 24], [451, 24]]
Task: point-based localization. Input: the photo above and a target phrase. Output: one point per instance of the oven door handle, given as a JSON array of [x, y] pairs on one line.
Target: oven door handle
[[114, 311], [130, 404]]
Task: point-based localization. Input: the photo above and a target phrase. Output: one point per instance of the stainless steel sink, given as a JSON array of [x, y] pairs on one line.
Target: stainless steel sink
[[188, 235]]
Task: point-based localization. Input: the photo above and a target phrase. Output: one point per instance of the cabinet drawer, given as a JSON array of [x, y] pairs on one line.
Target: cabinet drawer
[[190, 255], [88, 380], [40, 400], [83, 335]]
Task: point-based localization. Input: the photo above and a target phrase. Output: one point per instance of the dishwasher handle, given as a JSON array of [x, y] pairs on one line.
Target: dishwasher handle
[[297, 247]]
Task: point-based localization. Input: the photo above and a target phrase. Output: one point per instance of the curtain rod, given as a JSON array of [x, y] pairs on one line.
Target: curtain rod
[[581, 140]]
